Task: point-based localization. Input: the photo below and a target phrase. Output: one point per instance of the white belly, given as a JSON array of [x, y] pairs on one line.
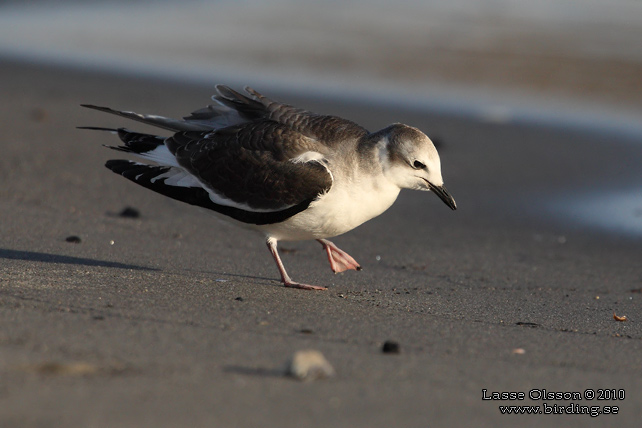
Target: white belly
[[340, 210]]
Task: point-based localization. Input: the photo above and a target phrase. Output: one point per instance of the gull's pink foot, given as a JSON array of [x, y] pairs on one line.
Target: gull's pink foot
[[300, 286], [285, 278], [339, 260]]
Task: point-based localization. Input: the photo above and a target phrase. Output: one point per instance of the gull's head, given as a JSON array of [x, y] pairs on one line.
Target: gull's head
[[410, 160]]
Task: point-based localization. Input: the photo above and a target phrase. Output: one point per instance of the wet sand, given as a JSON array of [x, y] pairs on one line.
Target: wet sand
[[175, 319]]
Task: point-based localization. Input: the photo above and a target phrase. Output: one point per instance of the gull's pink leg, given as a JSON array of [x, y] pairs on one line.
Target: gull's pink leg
[[285, 278], [339, 260]]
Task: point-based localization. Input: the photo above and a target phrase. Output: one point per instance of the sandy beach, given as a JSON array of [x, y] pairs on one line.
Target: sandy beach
[[175, 319]]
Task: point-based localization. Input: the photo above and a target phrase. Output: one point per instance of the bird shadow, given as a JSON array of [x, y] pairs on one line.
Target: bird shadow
[[264, 279], [256, 371], [34, 256]]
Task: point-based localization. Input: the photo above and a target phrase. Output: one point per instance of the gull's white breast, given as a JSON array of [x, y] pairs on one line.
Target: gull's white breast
[[347, 205]]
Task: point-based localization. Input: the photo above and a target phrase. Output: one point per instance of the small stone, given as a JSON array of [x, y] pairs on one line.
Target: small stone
[[129, 212], [73, 239], [519, 351], [239, 299], [390, 347], [309, 365]]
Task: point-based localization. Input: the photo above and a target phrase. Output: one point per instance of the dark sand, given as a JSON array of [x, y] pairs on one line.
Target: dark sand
[[141, 323]]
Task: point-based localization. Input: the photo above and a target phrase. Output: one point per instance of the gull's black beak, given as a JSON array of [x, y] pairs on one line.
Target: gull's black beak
[[443, 195]]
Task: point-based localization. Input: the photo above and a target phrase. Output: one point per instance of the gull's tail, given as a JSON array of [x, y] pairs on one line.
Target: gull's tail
[[146, 146]]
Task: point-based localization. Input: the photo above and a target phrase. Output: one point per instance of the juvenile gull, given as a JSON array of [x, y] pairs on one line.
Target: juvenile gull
[[289, 173]]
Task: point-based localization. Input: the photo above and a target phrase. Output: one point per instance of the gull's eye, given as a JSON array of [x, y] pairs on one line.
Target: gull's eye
[[418, 165]]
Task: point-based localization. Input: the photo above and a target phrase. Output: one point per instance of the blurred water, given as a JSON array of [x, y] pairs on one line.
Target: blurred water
[[615, 211], [381, 49]]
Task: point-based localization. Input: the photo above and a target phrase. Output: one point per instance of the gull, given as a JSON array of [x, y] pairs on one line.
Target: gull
[[286, 172]]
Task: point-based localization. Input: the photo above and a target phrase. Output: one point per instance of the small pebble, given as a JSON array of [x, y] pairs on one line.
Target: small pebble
[[129, 212], [519, 351], [240, 299], [390, 347], [73, 239], [309, 365]]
